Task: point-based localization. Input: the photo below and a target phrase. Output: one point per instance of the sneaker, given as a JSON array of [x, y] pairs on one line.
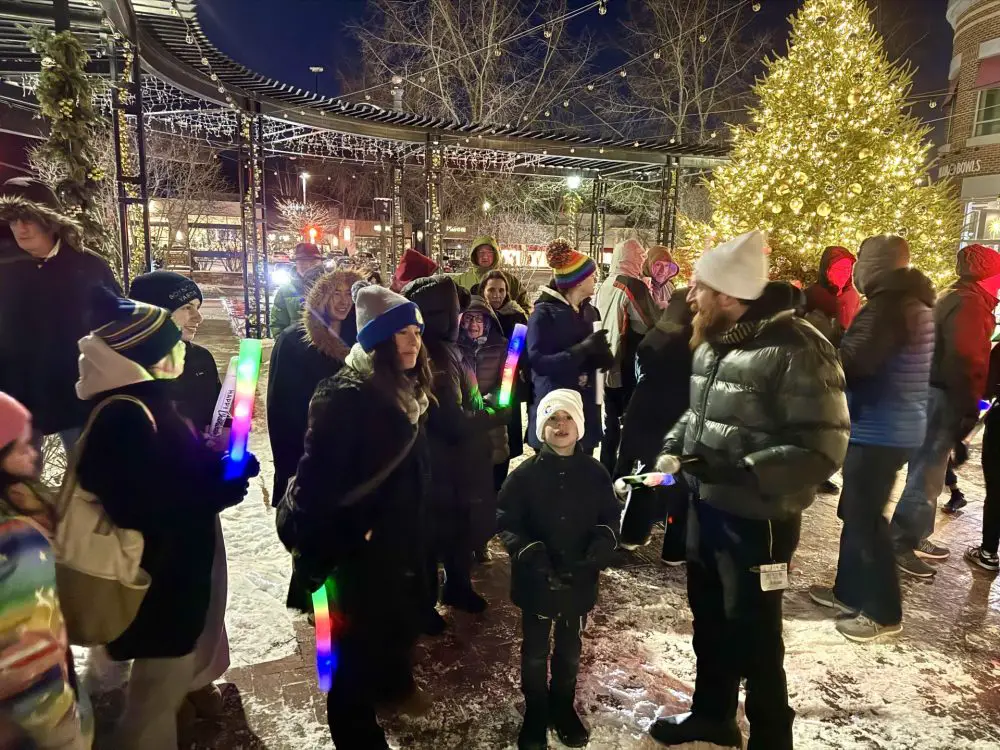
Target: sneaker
[[690, 727], [982, 558], [912, 565], [862, 629], [930, 551], [824, 597], [829, 488], [956, 503]]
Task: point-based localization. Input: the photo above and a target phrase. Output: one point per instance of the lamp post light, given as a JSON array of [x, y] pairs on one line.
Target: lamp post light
[[316, 70], [573, 181], [304, 176]]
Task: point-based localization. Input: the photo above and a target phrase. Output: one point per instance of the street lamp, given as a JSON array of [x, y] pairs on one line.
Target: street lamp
[[573, 181], [304, 176], [487, 206], [316, 70]]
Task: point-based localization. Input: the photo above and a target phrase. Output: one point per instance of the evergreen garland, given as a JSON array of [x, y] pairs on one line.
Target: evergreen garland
[[66, 96]]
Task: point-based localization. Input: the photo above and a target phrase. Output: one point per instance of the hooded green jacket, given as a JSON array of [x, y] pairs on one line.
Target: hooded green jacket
[[471, 277]]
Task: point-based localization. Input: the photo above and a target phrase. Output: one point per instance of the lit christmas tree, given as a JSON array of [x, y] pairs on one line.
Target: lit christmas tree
[[833, 154]]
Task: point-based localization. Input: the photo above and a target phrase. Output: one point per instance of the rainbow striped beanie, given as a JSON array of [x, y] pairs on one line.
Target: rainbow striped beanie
[[569, 266], [143, 333]]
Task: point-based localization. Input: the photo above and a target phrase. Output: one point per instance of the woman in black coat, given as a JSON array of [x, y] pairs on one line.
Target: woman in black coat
[[195, 394], [153, 473], [353, 515], [660, 398], [307, 352], [461, 472]]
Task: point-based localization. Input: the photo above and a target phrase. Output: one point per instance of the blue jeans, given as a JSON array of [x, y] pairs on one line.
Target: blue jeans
[[913, 521]]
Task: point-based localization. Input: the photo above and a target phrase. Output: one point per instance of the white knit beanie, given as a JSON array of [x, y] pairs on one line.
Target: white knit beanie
[[561, 399], [737, 268]]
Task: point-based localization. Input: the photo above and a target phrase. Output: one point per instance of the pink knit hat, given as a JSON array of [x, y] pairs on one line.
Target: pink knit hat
[[14, 420]]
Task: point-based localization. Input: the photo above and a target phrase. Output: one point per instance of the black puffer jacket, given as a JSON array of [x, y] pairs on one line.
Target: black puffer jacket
[[487, 355], [768, 396], [165, 483], [558, 518], [372, 545]]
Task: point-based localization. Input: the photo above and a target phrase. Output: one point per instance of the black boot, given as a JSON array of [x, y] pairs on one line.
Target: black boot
[[684, 728], [570, 728], [465, 599], [534, 733], [434, 623]]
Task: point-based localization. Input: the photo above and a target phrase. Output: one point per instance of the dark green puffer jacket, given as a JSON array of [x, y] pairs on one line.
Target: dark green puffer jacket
[[767, 395]]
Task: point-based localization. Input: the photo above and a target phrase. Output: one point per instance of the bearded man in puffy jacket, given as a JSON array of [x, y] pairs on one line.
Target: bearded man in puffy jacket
[[768, 422]]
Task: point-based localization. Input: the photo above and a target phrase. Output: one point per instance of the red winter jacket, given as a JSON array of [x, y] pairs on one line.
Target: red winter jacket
[[964, 325], [825, 300]]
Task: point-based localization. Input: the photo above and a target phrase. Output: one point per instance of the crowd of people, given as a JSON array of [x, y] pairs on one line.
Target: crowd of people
[[719, 410]]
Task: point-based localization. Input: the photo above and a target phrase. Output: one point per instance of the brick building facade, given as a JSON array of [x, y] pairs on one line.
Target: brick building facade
[[971, 155]]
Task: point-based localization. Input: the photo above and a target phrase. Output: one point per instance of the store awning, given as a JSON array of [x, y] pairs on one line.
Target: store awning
[[989, 73]]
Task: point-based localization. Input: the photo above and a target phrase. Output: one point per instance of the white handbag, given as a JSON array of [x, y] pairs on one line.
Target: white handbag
[[98, 577]]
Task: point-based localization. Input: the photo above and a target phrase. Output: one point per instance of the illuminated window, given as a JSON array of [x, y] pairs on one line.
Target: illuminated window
[[988, 113]]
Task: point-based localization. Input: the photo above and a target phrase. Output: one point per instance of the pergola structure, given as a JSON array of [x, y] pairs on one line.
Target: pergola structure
[[166, 75]]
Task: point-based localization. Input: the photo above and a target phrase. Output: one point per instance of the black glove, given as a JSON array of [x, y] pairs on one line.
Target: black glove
[[960, 454], [600, 361], [719, 472], [595, 345]]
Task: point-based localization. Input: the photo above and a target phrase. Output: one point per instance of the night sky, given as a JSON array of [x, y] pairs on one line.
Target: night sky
[[283, 38]]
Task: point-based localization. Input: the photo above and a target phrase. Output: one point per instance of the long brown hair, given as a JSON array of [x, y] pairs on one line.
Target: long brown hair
[[389, 378]]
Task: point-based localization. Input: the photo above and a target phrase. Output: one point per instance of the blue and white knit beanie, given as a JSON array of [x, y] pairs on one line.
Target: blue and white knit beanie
[[143, 333], [381, 313]]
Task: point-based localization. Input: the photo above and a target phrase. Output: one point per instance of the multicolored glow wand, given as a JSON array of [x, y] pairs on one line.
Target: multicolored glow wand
[[247, 371], [326, 655], [510, 366]]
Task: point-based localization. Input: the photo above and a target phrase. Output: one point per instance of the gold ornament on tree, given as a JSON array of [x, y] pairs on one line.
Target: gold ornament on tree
[[823, 209]]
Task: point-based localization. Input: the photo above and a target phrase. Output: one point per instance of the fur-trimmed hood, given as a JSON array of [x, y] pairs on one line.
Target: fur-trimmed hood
[[13, 207], [315, 316]]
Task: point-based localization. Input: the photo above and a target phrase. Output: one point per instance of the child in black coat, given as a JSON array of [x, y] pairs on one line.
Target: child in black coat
[[558, 518]]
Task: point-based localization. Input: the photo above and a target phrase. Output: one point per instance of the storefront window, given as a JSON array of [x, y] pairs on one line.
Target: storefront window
[[981, 224], [988, 113]]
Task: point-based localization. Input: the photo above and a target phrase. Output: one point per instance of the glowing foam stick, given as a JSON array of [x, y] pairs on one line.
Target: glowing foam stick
[[510, 366], [247, 370], [326, 655], [225, 402], [599, 379]]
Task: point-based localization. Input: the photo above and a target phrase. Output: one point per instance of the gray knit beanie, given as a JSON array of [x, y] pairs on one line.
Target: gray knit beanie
[[381, 313]]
